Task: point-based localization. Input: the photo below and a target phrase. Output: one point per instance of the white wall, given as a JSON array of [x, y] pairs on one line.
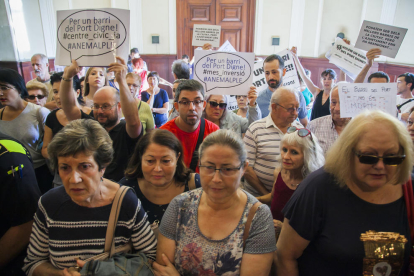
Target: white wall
[[322, 20]]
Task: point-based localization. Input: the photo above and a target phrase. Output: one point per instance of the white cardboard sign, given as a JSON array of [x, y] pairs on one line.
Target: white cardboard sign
[[92, 37], [356, 97], [224, 73], [226, 47], [375, 35], [347, 58], [203, 34], [289, 79]]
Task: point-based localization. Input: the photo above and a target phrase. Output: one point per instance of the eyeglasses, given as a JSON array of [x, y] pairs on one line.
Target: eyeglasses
[[302, 132], [104, 107], [195, 102], [32, 97], [220, 105], [374, 159], [290, 109], [211, 170]]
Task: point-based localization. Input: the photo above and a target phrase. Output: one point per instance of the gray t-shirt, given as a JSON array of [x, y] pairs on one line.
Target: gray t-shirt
[[196, 253], [25, 128]]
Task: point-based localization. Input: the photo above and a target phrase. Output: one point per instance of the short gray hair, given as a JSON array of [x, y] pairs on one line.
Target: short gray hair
[[279, 93], [224, 137], [224, 111], [42, 56], [82, 136], [181, 69]]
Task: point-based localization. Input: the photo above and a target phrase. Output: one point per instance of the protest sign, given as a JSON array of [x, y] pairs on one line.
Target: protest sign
[[203, 34], [347, 58], [232, 102], [92, 37], [289, 79], [375, 35], [356, 97], [226, 47], [224, 73]]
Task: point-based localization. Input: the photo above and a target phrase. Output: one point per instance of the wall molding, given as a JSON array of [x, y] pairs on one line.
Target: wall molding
[[318, 28], [258, 29], [172, 26], [135, 30], [48, 16], [296, 24]]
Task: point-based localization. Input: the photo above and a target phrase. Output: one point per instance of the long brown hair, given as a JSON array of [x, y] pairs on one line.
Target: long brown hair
[[86, 90]]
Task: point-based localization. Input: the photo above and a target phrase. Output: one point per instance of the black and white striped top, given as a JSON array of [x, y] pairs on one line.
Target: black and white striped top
[[63, 230]]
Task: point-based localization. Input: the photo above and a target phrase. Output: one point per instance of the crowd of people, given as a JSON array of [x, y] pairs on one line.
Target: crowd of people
[[281, 185]]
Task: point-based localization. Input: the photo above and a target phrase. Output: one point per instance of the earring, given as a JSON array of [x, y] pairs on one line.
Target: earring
[[101, 178]]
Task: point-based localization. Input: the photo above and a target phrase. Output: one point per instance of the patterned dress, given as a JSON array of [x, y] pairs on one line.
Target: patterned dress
[[198, 255]]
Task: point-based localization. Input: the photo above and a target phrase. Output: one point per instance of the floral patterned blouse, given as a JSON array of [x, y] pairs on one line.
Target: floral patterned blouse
[[197, 255]]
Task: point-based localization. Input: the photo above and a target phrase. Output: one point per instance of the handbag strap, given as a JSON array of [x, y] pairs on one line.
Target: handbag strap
[[113, 220], [409, 203], [249, 220], [194, 158]]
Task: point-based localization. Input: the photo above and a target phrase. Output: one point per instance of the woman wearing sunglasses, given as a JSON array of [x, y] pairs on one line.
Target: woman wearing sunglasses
[[361, 188], [216, 112], [299, 156], [37, 93]]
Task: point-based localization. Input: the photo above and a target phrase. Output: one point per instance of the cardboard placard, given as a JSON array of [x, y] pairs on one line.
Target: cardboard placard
[[289, 79], [92, 37], [375, 35], [203, 34], [347, 58], [356, 97], [224, 73]]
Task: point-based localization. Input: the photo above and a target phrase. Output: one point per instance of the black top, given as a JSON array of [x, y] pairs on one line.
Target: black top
[[332, 219], [154, 211], [319, 110], [52, 121], [18, 194]]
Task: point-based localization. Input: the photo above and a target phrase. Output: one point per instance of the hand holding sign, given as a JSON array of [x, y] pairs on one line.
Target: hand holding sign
[[252, 95], [120, 69], [72, 70], [372, 54]]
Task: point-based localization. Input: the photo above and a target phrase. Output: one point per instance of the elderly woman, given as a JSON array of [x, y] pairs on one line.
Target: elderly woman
[[216, 112], [299, 156], [37, 93], [157, 172], [24, 122], [144, 111], [359, 189], [72, 219], [157, 99], [95, 78], [202, 230]]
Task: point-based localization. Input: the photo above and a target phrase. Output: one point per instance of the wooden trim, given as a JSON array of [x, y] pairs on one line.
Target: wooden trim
[[251, 26], [181, 7]]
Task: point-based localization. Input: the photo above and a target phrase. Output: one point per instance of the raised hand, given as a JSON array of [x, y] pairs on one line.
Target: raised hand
[[252, 95], [71, 70], [120, 69], [372, 54]]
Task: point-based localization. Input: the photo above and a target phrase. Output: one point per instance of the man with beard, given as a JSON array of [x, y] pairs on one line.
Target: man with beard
[[274, 68], [40, 65], [263, 137], [107, 103], [329, 127], [189, 101]]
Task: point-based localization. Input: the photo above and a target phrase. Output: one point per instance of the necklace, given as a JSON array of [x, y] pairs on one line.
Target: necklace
[[293, 185]]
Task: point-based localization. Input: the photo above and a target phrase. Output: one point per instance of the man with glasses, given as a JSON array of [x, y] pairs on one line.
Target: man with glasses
[[189, 127], [107, 103], [263, 138], [405, 99]]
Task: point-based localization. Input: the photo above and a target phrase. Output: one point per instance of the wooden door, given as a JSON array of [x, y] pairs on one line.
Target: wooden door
[[236, 18]]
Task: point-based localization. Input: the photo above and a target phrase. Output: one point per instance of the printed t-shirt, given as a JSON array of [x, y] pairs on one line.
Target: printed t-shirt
[[189, 139]]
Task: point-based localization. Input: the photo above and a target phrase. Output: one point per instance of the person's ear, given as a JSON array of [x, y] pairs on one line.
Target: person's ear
[[176, 105], [204, 104], [175, 76]]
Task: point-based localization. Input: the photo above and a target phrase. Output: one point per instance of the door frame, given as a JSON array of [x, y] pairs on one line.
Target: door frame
[[183, 46]]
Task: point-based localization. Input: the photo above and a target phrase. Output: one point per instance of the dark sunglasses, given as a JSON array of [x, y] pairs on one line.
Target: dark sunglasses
[[302, 132], [220, 105], [32, 97], [374, 159]]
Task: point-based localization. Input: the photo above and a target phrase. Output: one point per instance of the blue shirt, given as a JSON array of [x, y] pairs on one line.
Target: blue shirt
[[263, 100], [159, 100]]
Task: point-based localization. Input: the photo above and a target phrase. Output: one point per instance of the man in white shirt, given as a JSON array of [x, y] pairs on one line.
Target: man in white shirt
[[40, 64], [405, 99]]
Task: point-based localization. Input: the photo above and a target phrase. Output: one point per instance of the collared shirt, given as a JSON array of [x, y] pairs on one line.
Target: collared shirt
[[263, 100], [324, 129], [262, 142]]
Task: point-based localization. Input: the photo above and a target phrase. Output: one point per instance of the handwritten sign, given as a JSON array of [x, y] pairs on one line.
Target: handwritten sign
[[347, 58], [375, 35], [232, 102], [224, 73], [203, 34], [289, 79], [226, 47], [356, 97], [92, 37]]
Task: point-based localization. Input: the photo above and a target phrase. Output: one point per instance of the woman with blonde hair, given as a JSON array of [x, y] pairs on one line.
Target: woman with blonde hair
[[362, 187], [95, 78]]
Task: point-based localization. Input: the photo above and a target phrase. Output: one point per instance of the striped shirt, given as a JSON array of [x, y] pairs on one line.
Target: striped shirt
[[63, 230], [324, 129], [262, 141]]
